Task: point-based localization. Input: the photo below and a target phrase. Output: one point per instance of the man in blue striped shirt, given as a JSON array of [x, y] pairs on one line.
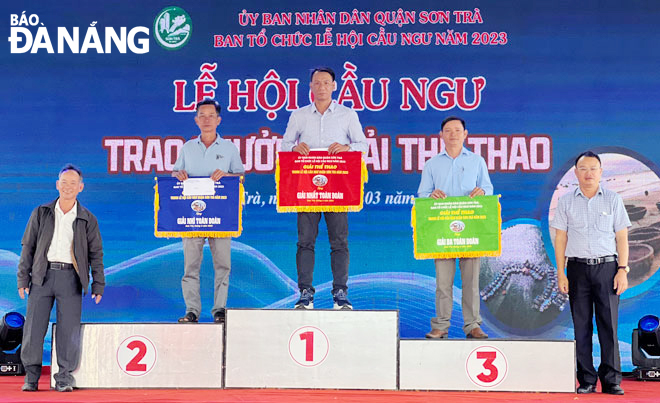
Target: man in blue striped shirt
[[455, 172], [591, 226]]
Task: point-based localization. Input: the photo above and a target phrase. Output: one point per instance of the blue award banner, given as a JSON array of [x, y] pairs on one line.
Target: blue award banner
[[177, 214]]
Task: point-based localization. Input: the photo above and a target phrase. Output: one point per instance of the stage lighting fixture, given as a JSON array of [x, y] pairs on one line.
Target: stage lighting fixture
[[11, 336], [646, 348]]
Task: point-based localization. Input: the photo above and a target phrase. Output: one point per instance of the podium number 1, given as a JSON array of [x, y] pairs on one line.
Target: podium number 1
[[309, 345]]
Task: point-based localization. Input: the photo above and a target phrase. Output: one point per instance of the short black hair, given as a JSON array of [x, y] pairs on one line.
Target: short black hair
[[70, 167], [588, 153], [323, 69], [449, 119], [209, 101]]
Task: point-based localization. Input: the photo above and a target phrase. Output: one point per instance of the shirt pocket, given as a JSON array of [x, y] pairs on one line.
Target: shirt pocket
[[605, 223]]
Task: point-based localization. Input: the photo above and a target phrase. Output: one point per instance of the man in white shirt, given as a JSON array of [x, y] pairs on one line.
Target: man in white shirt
[[61, 243]]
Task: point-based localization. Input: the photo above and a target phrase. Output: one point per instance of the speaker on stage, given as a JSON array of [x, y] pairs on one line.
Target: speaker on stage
[[11, 335]]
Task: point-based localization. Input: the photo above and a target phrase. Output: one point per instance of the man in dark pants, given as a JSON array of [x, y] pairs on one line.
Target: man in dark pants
[[323, 124], [591, 226], [61, 242]]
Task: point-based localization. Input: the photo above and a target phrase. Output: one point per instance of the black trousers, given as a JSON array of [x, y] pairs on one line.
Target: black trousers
[[590, 288], [308, 230]]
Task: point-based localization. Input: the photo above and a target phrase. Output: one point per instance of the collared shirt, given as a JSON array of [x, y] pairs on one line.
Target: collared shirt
[[455, 176], [60, 245], [591, 224], [198, 160], [338, 124]]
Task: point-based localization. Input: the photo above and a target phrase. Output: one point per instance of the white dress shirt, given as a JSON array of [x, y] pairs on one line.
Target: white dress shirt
[[60, 245]]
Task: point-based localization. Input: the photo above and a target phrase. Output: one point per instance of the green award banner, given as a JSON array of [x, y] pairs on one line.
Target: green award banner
[[457, 227]]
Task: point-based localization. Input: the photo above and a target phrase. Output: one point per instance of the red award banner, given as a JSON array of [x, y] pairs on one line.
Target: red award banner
[[320, 182]]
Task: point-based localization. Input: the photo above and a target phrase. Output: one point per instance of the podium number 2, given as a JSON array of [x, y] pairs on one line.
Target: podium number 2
[[134, 364], [308, 346], [136, 355]]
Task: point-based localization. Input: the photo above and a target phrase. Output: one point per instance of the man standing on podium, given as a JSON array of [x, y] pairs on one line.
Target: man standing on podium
[[61, 243], [591, 241], [455, 172], [323, 124], [207, 155]]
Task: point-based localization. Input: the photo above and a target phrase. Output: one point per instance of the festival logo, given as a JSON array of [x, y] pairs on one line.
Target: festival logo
[[198, 206], [320, 180], [172, 28], [457, 226]]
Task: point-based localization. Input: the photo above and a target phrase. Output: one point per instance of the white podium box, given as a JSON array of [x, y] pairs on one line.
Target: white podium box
[[147, 355], [311, 349], [498, 365]]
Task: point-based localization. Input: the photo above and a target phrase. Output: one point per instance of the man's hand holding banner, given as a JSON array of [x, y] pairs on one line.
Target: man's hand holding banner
[[320, 182], [457, 227], [214, 212]]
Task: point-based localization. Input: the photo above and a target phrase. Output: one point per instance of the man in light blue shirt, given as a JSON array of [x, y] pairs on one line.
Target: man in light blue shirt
[[207, 155], [455, 172], [328, 125], [591, 251]]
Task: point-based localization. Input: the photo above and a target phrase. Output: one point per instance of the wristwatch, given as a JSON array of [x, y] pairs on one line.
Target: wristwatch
[[625, 268]]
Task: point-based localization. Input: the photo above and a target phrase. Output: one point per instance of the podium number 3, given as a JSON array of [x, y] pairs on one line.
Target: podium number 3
[[489, 357]]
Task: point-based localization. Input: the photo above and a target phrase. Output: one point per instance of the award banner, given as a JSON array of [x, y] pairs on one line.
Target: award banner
[[457, 227], [320, 182], [198, 207]]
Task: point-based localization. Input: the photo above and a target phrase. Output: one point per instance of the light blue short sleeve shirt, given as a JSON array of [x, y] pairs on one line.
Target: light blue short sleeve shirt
[[198, 160], [591, 224]]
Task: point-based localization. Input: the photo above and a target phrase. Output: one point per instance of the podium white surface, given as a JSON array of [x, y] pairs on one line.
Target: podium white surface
[[497, 365], [147, 355], [311, 349]]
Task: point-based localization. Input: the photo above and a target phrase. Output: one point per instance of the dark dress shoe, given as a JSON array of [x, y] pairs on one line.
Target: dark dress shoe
[[219, 317], [476, 333], [30, 387], [63, 387], [586, 389], [613, 390], [437, 334]]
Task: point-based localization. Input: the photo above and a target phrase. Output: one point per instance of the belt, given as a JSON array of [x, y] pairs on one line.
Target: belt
[[60, 266], [592, 261]]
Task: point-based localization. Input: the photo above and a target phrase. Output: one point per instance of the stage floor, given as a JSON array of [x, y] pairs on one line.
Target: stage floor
[[10, 391]]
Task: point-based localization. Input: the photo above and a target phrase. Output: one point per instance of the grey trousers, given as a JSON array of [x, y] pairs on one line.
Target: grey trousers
[[444, 298], [64, 287], [193, 251], [308, 229]]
